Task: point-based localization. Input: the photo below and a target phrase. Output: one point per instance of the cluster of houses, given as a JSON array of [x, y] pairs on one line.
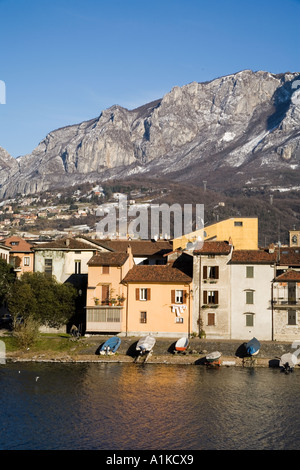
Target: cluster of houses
[[224, 288]]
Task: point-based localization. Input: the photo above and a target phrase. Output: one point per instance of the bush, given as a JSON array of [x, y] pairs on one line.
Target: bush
[[26, 332]]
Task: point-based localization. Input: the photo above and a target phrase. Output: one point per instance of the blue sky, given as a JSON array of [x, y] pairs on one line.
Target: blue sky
[[64, 61]]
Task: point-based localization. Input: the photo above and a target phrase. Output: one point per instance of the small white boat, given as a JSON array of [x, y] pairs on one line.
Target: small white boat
[[145, 344], [213, 357], [181, 344], [288, 362]]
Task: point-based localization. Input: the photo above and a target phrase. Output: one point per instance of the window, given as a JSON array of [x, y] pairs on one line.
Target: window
[[105, 294], [105, 269], [211, 319], [142, 294], [211, 297], [77, 266], [249, 297], [292, 317], [48, 266], [249, 319], [238, 224], [249, 271], [178, 296], [143, 317], [210, 272], [26, 261], [178, 320]]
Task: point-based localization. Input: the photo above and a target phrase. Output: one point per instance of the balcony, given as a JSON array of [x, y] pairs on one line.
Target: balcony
[[104, 319], [285, 303]]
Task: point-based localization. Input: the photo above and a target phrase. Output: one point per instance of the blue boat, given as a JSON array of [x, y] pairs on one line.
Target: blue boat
[[252, 347], [110, 346]]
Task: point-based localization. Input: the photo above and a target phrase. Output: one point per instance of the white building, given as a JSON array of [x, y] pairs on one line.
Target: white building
[[251, 276]]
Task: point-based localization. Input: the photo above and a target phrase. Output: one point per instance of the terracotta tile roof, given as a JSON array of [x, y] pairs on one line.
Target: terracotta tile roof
[[157, 273], [289, 275], [17, 244], [140, 247], [253, 257], [65, 244], [108, 259], [287, 256], [214, 248]]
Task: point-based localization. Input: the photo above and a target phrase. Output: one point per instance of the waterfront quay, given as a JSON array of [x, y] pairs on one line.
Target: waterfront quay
[[86, 349]]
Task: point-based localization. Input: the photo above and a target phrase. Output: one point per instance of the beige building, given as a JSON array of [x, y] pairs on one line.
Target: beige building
[[211, 289], [294, 238], [106, 302], [21, 254], [4, 252], [286, 306], [128, 299], [159, 299]]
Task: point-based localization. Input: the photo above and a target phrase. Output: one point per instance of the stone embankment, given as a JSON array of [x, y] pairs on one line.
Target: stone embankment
[[163, 352]]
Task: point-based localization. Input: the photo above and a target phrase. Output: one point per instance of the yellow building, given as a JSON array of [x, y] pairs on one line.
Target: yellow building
[[242, 232]]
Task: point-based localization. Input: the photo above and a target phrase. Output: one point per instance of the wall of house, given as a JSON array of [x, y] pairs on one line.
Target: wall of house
[[4, 254], [161, 312], [261, 285], [63, 262], [283, 331], [24, 267], [96, 279], [221, 309], [244, 236]]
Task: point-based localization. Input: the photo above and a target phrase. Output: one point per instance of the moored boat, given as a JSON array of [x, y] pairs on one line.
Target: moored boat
[[288, 362], [181, 344], [253, 347], [213, 357], [145, 344], [110, 346]]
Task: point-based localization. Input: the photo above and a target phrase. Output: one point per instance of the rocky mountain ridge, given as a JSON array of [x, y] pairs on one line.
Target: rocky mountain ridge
[[238, 130]]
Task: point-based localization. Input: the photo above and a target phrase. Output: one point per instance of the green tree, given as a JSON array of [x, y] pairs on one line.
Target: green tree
[[7, 278], [43, 299]]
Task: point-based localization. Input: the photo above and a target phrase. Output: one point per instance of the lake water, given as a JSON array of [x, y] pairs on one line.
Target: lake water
[[51, 406]]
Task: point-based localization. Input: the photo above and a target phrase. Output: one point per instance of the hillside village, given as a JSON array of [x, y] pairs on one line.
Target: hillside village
[[226, 288]]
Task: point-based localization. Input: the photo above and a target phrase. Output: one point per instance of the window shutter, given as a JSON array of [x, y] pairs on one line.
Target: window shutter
[[105, 294], [137, 294], [205, 297], [204, 272], [184, 297], [217, 272], [172, 296], [216, 297], [148, 294]]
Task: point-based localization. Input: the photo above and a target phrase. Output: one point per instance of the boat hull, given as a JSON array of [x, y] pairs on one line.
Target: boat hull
[[213, 357], [253, 347], [145, 344], [182, 344], [110, 346], [288, 362]]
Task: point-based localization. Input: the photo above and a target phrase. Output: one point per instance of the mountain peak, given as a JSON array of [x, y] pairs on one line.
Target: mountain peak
[[246, 122]]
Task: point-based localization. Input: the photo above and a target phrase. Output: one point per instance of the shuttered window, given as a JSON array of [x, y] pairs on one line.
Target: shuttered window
[[105, 294], [210, 297], [143, 294], [178, 296]]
